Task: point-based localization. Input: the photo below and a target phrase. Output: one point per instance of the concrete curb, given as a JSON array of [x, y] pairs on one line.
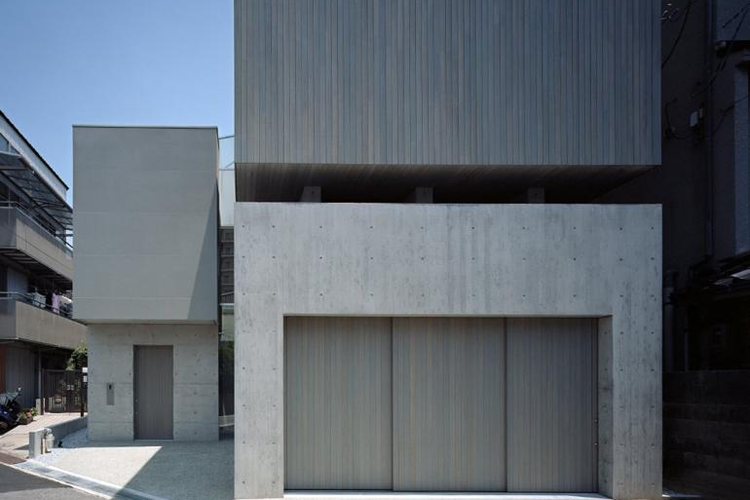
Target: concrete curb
[[99, 488], [60, 430]]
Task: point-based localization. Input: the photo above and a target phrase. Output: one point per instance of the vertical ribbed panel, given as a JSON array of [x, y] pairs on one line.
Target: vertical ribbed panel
[[506, 82], [448, 404], [337, 403], [551, 405], [153, 392]]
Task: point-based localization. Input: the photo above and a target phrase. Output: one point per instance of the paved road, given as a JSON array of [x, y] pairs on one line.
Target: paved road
[[17, 485]]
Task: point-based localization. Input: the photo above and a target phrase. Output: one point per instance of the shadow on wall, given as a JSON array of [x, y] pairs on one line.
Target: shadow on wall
[[207, 271]]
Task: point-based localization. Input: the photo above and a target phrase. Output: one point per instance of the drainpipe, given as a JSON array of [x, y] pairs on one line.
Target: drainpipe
[[708, 69], [669, 307]]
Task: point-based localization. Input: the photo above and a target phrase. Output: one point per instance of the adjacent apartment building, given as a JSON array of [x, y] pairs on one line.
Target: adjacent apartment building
[[425, 297], [36, 268]]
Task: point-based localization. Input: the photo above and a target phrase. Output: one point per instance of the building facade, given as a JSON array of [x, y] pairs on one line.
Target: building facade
[[426, 298], [36, 270], [147, 230]]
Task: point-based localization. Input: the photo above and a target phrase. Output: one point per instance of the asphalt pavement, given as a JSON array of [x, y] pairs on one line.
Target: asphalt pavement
[[17, 485]]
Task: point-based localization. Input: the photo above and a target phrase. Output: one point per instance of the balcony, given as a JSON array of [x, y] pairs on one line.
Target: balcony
[[24, 319], [30, 244]]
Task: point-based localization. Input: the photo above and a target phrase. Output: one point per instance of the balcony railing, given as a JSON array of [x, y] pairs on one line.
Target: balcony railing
[[39, 223], [31, 300]]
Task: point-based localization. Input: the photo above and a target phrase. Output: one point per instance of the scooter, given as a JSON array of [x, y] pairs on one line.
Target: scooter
[[10, 409]]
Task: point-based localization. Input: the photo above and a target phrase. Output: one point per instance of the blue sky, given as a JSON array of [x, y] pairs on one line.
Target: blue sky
[[134, 62]]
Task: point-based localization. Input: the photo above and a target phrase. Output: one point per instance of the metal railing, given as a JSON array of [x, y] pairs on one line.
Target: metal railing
[[29, 299], [62, 240]]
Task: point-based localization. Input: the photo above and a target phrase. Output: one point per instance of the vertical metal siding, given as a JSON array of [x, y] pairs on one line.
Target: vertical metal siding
[[337, 403], [551, 405], [449, 404], [153, 392], [506, 82], [440, 404]]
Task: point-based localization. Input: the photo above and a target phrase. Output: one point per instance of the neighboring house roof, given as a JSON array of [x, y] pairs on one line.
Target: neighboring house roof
[[41, 158], [32, 175]]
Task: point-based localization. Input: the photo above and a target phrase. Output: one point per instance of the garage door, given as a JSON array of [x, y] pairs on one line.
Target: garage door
[[440, 404]]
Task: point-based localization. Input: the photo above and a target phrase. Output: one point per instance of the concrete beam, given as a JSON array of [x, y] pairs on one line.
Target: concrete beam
[[420, 195], [535, 195], [311, 194]]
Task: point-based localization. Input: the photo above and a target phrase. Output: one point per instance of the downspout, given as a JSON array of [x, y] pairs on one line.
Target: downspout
[[708, 68], [669, 317]]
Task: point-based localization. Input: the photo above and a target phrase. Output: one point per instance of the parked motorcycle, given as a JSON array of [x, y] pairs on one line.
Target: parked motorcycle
[[10, 409]]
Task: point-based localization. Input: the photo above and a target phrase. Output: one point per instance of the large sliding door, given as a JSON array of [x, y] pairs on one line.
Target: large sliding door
[[449, 404], [551, 405], [440, 404], [337, 403]]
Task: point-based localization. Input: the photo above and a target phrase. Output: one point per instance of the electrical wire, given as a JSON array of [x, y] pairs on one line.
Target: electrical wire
[[679, 33], [725, 112], [728, 51]]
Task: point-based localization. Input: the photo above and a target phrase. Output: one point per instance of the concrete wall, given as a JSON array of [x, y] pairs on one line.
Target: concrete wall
[[195, 379], [444, 260], [20, 371], [146, 224], [25, 322], [459, 82]]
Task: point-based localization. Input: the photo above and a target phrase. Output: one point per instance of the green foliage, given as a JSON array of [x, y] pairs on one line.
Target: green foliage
[[79, 358]]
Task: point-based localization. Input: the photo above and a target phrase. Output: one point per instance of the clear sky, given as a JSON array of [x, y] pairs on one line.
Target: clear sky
[[125, 62]]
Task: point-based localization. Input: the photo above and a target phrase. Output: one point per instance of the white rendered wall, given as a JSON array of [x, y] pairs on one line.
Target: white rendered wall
[[195, 379], [146, 224], [444, 260]]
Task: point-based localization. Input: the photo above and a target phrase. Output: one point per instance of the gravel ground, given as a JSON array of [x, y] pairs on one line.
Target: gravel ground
[[72, 441], [171, 470]]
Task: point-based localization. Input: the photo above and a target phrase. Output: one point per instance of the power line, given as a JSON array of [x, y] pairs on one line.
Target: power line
[[723, 62], [679, 34]]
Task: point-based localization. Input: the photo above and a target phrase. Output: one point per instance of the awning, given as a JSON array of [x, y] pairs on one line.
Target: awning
[[22, 176]]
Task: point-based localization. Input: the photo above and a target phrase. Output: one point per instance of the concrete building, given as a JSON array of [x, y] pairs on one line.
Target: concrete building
[[410, 315], [36, 268], [146, 227]]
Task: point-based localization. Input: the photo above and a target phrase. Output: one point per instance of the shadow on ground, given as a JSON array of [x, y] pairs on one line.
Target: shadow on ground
[[166, 469]]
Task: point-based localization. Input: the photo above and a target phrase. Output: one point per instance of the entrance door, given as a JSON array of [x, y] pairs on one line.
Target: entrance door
[[153, 392], [337, 403], [551, 404]]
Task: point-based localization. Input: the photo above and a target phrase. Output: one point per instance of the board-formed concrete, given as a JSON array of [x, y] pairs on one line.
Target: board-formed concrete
[[600, 261], [195, 376]]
